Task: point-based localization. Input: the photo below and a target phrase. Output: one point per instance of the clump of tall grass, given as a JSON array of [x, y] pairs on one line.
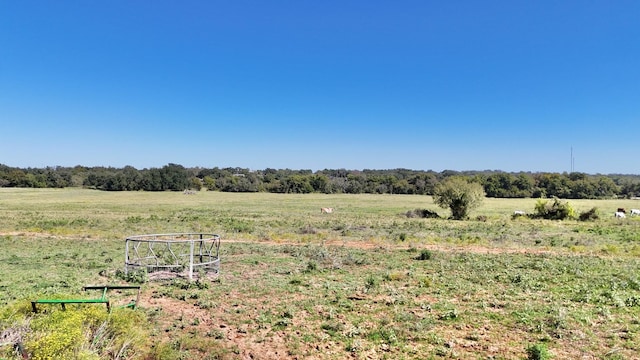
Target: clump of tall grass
[[590, 215]]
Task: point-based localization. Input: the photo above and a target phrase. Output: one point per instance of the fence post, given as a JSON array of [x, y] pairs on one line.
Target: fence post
[[191, 260]]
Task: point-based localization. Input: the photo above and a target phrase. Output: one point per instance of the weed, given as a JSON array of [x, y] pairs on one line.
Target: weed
[[295, 281], [425, 255], [632, 301], [371, 282], [354, 346], [137, 277], [332, 328], [311, 266], [537, 352], [384, 334], [395, 276], [449, 315]]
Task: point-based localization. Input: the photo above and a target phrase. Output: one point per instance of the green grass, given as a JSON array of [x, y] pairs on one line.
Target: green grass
[[365, 282]]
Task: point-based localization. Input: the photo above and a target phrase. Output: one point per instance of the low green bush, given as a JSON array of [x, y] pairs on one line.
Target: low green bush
[[556, 210], [537, 352], [590, 215], [425, 255]]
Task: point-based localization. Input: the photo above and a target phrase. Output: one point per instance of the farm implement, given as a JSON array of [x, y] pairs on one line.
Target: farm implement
[[101, 300]]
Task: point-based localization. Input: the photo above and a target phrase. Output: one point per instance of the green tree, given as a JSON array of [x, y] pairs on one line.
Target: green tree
[[320, 183], [459, 195], [606, 188], [195, 183], [174, 177], [524, 184], [209, 183], [297, 184]]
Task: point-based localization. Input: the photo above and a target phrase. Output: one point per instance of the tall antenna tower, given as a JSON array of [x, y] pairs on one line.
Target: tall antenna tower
[[572, 160]]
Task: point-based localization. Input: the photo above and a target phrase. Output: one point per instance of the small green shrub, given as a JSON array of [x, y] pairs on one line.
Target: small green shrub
[[165, 351], [422, 213], [632, 301], [137, 277], [590, 215], [395, 275], [372, 282], [384, 334], [425, 255], [308, 230], [311, 266], [332, 328], [449, 315], [537, 352]]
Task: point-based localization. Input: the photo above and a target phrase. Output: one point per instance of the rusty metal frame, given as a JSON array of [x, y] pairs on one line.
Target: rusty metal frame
[[176, 253]]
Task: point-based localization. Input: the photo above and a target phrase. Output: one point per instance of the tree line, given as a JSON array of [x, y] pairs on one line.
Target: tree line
[[174, 177]]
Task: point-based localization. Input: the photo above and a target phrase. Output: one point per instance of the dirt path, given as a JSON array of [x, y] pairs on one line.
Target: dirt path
[[475, 249], [361, 244]]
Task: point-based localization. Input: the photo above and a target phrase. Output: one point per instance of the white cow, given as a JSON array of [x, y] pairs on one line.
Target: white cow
[[620, 214], [519, 212], [635, 212], [326, 210]]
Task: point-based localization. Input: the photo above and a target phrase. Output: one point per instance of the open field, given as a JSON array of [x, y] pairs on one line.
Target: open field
[[365, 282]]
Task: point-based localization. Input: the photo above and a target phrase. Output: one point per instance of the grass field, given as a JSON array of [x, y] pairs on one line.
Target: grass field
[[364, 282]]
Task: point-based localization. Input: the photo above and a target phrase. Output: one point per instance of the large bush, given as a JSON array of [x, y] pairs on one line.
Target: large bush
[[459, 195], [555, 210]]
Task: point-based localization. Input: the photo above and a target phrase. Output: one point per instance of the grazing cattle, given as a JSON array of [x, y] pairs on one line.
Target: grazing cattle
[[635, 212], [622, 210], [620, 214], [519, 212], [326, 210]]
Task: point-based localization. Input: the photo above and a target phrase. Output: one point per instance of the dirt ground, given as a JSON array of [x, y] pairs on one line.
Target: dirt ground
[[267, 344]]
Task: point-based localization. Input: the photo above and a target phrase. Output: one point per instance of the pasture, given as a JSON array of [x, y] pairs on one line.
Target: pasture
[[365, 281]]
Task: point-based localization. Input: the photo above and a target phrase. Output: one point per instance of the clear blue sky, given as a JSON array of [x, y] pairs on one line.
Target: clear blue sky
[[425, 85]]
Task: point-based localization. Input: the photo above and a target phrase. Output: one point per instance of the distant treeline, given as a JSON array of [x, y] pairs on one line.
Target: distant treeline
[[173, 177]]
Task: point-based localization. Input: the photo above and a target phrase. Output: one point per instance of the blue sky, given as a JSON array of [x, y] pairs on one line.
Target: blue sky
[[424, 85]]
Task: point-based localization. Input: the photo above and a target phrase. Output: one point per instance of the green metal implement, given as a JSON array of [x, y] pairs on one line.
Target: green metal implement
[[101, 300]]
